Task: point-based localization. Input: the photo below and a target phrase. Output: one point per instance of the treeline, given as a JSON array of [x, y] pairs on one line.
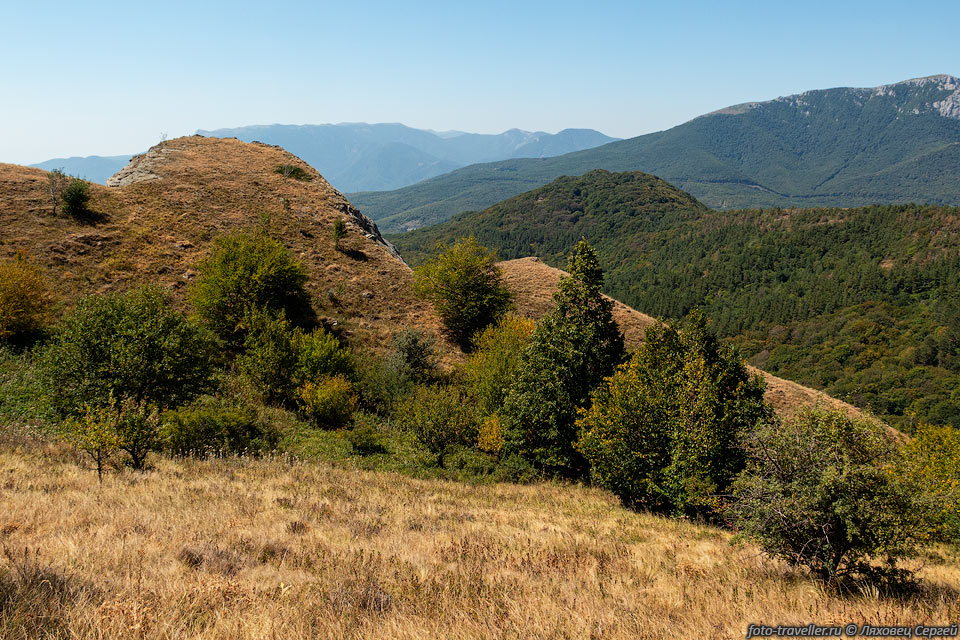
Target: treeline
[[766, 279]]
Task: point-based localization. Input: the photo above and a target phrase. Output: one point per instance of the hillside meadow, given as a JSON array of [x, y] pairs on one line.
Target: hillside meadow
[[280, 548]]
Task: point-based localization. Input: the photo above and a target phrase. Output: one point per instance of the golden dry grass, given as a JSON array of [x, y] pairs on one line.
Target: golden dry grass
[[158, 230], [533, 282], [283, 549]]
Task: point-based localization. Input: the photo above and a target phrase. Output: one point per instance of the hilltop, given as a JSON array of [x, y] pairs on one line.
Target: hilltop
[[861, 303], [839, 147], [167, 207]]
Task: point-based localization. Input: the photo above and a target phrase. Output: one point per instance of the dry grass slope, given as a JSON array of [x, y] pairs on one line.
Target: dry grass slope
[[533, 283], [156, 230], [233, 549]]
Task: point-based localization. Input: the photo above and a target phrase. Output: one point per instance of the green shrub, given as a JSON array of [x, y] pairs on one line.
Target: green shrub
[[663, 433], [25, 299], [319, 353], [932, 461], [269, 360], [138, 430], [92, 430], [493, 363], [293, 171], [821, 491], [130, 345], [572, 349], [247, 273], [381, 383], [211, 427], [365, 439], [463, 283], [414, 351], [329, 401], [339, 233], [76, 199], [440, 417]]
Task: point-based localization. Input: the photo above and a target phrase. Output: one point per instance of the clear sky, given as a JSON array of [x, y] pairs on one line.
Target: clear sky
[[107, 78]]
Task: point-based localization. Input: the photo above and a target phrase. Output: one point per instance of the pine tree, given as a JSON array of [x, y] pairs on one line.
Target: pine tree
[[572, 349]]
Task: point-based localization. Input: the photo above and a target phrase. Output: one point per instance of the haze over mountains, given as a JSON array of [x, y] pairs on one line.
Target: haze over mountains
[[367, 157], [834, 147]]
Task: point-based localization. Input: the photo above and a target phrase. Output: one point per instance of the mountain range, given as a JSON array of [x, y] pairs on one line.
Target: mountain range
[[835, 147], [365, 157]]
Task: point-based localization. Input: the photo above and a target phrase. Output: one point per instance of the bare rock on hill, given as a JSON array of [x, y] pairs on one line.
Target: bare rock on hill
[[140, 168]]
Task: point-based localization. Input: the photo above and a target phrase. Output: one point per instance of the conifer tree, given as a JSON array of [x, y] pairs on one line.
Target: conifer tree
[[572, 349]]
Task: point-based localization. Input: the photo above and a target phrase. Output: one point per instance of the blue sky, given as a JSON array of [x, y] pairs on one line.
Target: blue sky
[[107, 78]]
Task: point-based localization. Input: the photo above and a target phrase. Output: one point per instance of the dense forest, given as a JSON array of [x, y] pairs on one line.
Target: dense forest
[[862, 303]]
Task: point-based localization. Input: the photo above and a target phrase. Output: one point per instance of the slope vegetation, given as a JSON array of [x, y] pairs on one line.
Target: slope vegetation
[[862, 303], [172, 202], [836, 147]]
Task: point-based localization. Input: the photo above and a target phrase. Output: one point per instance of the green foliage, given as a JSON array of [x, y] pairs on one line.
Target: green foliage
[[138, 430], [76, 199], [572, 349], [463, 284], [821, 491], [319, 353], [365, 439], [93, 431], [212, 427], [25, 299], [244, 273], [663, 433], [293, 171], [440, 417], [130, 345], [329, 401], [339, 232], [496, 354], [270, 358], [932, 461], [414, 353]]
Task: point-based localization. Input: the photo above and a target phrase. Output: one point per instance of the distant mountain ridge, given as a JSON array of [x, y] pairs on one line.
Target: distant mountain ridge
[[366, 157], [92, 168], [833, 147]]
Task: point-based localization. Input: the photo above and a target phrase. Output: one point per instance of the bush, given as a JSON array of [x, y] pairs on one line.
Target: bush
[[25, 299], [932, 461], [381, 383], [414, 351], [269, 361], [329, 401], [339, 233], [493, 363], [663, 433], [440, 417], [76, 199], [247, 273], [463, 284], [365, 439], [130, 345], [138, 430], [211, 427], [572, 349], [93, 431], [319, 353], [490, 435], [293, 171], [821, 491]]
